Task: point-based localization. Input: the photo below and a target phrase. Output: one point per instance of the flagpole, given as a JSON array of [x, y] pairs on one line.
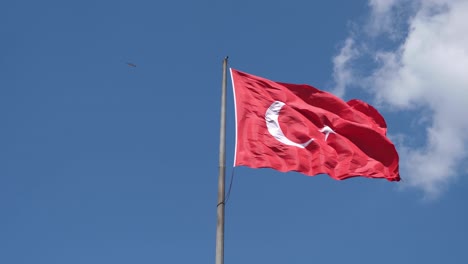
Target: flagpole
[[222, 171]]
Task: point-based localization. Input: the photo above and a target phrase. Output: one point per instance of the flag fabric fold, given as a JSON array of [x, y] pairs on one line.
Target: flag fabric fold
[[296, 127]]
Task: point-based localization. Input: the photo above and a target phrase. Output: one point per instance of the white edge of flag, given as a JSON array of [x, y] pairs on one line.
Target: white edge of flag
[[235, 116]]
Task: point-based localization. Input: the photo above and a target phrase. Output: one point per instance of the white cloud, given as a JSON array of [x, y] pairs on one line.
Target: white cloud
[[342, 74], [427, 70], [381, 19]]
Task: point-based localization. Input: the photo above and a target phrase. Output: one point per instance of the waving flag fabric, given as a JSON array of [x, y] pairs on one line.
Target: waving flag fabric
[[296, 127]]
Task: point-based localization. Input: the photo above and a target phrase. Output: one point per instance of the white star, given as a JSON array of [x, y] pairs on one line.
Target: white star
[[327, 130]]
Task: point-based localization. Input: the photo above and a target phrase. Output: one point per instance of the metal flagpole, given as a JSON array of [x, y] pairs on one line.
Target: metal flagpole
[[222, 171]]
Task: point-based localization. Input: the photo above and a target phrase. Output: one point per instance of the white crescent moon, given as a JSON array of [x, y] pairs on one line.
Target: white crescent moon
[[271, 118]]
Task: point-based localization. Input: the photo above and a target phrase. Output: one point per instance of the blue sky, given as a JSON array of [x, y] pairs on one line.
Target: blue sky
[[101, 162]]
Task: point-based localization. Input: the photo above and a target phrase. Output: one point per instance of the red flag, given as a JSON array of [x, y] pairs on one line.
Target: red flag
[[293, 127]]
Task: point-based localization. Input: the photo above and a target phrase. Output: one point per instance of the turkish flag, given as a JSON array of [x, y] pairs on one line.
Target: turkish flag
[[296, 127]]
